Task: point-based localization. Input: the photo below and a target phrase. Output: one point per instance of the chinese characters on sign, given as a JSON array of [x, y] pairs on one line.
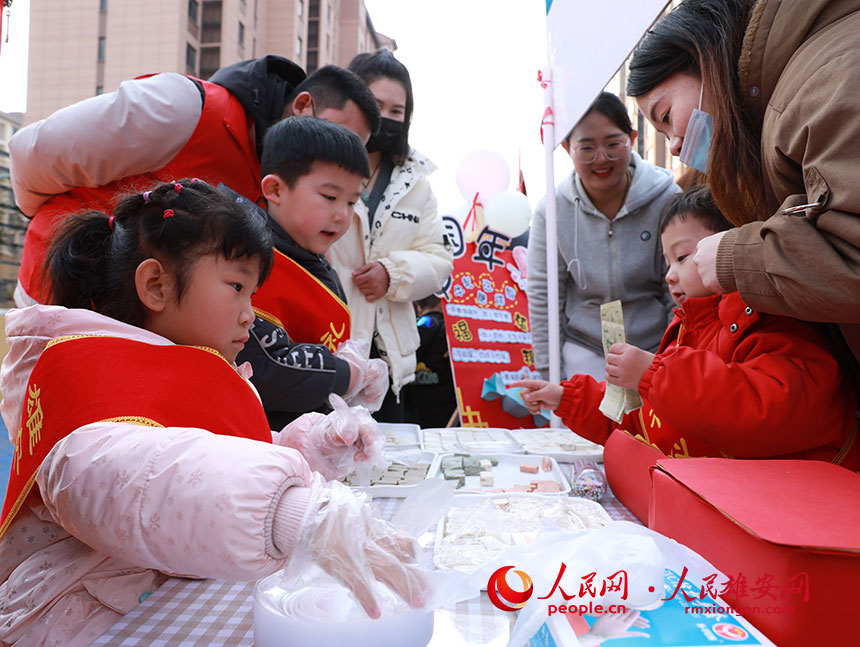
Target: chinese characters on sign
[[486, 321]]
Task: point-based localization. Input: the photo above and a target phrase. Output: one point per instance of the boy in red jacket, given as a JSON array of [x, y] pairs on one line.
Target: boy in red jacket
[[726, 380]]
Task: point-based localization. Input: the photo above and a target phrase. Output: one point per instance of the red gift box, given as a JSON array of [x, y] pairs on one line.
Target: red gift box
[[786, 534]]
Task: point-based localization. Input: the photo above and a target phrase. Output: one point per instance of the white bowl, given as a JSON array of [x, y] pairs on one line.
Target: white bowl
[[328, 615]]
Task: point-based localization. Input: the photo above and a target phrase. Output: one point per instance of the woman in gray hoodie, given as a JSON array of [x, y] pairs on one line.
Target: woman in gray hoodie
[[608, 214]]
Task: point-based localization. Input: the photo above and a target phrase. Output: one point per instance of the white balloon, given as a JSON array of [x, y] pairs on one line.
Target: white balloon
[[508, 212]]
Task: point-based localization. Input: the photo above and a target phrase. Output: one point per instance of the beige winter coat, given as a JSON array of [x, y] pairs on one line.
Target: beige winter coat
[[800, 77]]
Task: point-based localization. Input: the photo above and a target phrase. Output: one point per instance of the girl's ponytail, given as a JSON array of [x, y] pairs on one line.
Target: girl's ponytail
[[78, 259]]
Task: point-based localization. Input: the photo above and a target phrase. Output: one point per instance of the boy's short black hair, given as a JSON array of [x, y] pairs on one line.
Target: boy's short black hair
[[292, 145], [428, 303], [698, 203], [332, 86]]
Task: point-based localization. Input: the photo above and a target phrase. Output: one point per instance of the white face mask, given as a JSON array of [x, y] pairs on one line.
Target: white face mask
[[697, 138]]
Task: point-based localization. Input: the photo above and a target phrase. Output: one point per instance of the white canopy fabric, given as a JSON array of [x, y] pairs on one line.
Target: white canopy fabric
[[587, 42]]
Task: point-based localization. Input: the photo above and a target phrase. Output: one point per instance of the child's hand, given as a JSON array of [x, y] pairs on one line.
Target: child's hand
[[332, 444], [539, 394], [372, 280], [626, 364], [356, 547]]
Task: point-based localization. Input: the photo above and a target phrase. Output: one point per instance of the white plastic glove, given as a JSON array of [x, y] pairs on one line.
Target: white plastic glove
[[332, 444], [343, 536], [372, 383]]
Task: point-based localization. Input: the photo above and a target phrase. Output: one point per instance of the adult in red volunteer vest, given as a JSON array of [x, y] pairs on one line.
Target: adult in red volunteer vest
[[162, 127]]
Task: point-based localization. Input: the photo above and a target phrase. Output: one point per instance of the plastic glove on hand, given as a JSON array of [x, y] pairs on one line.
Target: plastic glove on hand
[[374, 385], [331, 444], [371, 385], [357, 548]]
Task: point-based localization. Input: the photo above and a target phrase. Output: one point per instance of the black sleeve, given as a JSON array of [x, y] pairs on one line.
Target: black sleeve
[[292, 378]]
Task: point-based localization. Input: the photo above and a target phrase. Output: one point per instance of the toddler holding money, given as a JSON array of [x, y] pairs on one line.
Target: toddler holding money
[[726, 380]]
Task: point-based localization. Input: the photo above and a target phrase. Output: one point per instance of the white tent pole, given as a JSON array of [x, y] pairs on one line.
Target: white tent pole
[[551, 238]]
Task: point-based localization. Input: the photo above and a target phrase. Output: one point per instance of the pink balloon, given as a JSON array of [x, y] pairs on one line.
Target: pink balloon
[[483, 172]]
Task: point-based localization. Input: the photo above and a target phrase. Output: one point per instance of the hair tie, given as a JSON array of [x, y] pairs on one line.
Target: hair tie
[[168, 213], [111, 221], [177, 187], [146, 195], [195, 179]]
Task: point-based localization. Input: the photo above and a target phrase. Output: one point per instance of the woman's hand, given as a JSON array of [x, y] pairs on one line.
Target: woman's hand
[[372, 280], [539, 394], [626, 364], [706, 261]]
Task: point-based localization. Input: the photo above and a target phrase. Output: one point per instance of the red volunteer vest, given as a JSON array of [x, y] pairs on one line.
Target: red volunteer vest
[[295, 300], [81, 380], [219, 150]]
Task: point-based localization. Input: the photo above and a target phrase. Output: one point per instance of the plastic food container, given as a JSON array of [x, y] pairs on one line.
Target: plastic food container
[[588, 481], [328, 615]]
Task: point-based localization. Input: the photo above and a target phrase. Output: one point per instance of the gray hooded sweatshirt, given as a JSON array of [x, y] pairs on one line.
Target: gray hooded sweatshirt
[[601, 260]]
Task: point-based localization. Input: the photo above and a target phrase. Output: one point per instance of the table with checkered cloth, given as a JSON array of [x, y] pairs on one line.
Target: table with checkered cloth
[[214, 613]]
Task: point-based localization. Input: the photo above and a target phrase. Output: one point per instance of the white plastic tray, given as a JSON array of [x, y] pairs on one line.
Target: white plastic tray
[[562, 444], [507, 474], [479, 544], [401, 434], [470, 440], [408, 456]]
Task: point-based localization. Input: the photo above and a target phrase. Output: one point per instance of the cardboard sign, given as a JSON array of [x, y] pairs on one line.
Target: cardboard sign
[[487, 325]]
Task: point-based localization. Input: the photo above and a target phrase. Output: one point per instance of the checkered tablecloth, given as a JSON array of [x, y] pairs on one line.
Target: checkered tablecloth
[[216, 613]]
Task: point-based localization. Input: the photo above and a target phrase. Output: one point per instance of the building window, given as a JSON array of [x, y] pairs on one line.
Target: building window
[[101, 48], [243, 6], [300, 8], [241, 34], [100, 89], [254, 48], [211, 16], [327, 45], [103, 6], [190, 58], [299, 46], [193, 10], [210, 61], [328, 13]]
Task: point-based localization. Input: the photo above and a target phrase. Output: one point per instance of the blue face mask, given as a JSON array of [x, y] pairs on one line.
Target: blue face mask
[[697, 139]]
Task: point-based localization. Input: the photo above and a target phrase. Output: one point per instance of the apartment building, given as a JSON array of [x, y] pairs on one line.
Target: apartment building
[[13, 224], [80, 48]]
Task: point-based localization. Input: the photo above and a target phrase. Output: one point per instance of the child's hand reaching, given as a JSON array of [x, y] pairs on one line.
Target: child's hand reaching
[[626, 364], [333, 443], [539, 394]]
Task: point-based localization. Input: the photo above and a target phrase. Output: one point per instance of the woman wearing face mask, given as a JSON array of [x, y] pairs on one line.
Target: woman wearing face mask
[[394, 252], [780, 82], [608, 243]]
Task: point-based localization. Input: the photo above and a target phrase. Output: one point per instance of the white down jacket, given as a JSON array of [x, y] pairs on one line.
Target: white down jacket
[[407, 237]]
